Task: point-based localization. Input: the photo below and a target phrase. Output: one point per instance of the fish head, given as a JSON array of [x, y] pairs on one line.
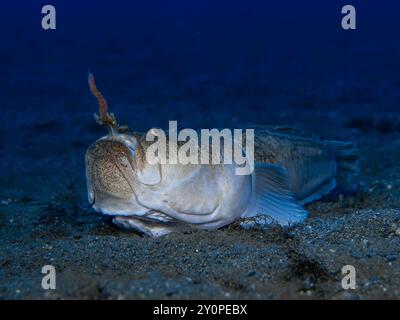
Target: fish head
[[116, 167], [111, 176]]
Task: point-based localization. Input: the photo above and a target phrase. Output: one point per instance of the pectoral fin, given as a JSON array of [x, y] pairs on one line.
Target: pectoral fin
[[272, 197]]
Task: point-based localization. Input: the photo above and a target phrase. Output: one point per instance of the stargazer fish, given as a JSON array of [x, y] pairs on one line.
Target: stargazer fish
[[291, 169]]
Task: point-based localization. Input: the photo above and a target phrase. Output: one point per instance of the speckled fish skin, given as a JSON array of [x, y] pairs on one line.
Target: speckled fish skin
[[292, 168], [122, 183], [312, 164]]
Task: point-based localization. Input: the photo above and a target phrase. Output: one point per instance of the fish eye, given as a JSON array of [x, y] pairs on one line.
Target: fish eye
[[130, 146]]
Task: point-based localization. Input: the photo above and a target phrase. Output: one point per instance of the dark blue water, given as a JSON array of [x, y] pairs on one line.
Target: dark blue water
[[203, 63]]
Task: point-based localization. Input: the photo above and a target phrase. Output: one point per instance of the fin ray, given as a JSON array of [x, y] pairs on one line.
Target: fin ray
[[272, 197], [318, 193]]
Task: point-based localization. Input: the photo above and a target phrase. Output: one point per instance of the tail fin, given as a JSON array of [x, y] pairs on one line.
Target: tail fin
[[347, 155]]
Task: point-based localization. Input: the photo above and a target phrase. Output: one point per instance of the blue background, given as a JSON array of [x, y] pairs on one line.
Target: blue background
[[204, 63]]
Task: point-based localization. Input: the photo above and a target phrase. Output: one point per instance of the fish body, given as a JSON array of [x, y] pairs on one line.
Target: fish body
[[291, 169]]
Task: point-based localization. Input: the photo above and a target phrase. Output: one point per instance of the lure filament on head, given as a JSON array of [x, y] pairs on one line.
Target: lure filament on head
[[103, 118]]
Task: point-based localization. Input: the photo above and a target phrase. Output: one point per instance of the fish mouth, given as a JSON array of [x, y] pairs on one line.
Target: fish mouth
[[112, 206]]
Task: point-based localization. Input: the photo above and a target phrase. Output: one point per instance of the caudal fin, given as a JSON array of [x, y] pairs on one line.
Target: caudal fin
[[347, 155]]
